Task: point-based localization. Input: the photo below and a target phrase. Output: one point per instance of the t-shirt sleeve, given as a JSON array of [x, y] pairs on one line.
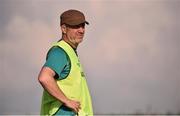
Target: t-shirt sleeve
[[56, 60]]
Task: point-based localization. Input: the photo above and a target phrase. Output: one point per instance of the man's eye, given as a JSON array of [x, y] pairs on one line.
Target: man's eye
[[77, 26]]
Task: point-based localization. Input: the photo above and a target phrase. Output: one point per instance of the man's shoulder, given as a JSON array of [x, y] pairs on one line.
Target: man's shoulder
[[57, 52]]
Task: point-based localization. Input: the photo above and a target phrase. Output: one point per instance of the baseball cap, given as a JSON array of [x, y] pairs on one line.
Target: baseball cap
[[72, 17]]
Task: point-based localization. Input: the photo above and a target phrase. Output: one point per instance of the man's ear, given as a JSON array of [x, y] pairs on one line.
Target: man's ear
[[63, 28]]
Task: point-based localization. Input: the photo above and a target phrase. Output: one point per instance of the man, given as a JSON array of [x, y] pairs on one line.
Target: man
[[62, 77]]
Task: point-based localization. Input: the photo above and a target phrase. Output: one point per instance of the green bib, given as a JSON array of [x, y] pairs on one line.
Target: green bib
[[74, 87]]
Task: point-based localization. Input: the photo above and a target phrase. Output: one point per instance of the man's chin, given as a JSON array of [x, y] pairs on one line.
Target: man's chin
[[79, 40]]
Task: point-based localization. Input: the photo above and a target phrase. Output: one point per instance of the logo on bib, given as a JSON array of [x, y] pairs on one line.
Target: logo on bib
[[78, 64], [82, 74]]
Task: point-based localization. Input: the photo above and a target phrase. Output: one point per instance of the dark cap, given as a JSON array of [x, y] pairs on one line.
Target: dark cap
[[72, 17]]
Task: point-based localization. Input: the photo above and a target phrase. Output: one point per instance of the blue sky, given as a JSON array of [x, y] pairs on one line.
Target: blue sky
[[130, 53]]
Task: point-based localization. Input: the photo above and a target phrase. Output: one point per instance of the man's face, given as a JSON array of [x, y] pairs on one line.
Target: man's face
[[75, 33]]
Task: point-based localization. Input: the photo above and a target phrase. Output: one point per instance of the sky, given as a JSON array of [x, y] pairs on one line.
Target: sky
[[130, 53]]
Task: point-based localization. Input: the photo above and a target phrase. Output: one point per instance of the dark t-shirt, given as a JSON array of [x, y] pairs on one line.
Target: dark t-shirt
[[58, 60]]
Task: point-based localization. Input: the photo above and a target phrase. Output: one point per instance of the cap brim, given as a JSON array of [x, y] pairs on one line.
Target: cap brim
[[87, 22], [73, 24]]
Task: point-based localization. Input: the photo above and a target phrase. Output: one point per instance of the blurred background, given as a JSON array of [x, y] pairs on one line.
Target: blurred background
[[130, 53]]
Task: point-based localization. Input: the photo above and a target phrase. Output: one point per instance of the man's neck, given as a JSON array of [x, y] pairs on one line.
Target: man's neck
[[70, 43]]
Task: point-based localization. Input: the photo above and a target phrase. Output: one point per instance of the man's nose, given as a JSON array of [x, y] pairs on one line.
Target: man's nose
[[81, 29]]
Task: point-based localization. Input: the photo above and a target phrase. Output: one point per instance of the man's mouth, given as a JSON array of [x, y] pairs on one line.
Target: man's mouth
[[81, 35]]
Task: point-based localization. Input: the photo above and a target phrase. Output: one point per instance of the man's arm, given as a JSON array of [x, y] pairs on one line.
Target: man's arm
[[46, 78]]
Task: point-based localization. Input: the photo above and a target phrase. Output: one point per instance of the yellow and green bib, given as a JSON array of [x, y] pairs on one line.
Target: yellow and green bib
[[74, 87]]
